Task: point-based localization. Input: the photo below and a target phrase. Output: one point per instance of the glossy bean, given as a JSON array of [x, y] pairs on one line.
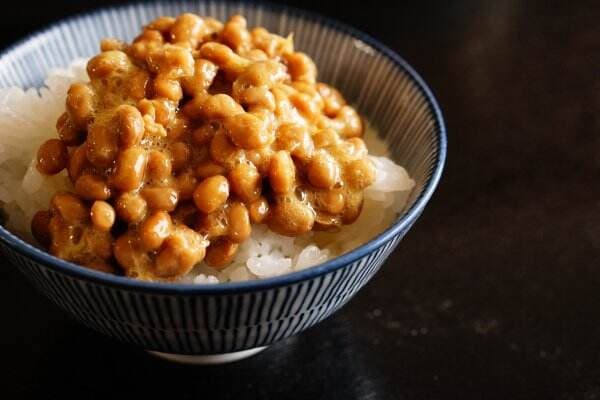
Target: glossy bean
[[239, 222], [130, 169], [160, 198], [258, 210], [282, 172], [70, 207], [220, 253], [92, 187], [211, 193], [52, 157], [80, 105], [131, 207], [130, 125], [245, 182], [323, 171], [154, 230], [103, 215]]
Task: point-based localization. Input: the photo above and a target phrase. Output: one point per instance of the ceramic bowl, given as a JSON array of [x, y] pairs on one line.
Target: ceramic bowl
[[219, 323]]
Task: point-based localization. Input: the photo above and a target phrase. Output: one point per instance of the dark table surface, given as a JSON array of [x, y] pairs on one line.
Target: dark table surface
[[494, 294]]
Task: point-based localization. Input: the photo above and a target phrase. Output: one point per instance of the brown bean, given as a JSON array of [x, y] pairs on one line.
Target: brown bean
[[229, 62], [248, 131], [102, 144], [107, 63], [108, 44], [146, 108], [181, 154], [171, 62], [130, 169], [325, 138], [131, 207], [271, 44], [254, 98], [52, 157], [103, 215], [220, 253], [129, 257], [256, 55], [263, 73], [68, 132], [331, 201], [258, 210], [130, 124], [181, 251], [261, 158], [224, 152], [297, 140], [77, 163], [168, 88], [309, 107], [235, 34], [360, 173], [308, 89], [40, 227], [214, 224], [209, 168], [61, 234], [92, 187], [204, 75], [239, 222], [220, 106], [145, 44], [164, 111], [350, 123], [212, 107], [282, 172], [211, 193], [301, 67], [80, 105], [353, 207], [357, 146], [155, 229], [153, 129], [187, 28], [161, 24], [70, 207], [327, 222], [290, 217], [332, 99], [136, 86], [323, 171], [159, 166], [245, 182], [160, 198]]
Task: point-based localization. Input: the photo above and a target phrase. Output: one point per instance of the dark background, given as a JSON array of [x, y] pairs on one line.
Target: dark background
[[494, 294]]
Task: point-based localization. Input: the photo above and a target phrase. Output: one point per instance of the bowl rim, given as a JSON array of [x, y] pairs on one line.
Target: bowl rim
[[402, 223]]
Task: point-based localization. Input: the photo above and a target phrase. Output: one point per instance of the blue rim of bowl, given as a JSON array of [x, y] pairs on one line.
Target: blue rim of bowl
[[401, 224]]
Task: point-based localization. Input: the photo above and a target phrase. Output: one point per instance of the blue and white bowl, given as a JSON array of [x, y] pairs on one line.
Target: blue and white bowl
[[217, 323]]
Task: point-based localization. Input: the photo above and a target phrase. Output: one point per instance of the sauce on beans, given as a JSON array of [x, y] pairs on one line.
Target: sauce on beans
[[189, 135]]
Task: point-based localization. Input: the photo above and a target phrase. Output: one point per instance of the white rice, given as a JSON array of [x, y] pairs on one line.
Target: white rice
[[27, 118]]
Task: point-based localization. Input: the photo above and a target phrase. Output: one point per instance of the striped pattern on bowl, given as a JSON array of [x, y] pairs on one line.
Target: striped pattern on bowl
[[202, 319]]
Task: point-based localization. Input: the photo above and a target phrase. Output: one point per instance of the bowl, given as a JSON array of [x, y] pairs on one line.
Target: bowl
[[225, 322]]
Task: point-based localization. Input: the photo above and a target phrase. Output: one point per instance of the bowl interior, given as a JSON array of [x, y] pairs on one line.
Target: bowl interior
[[380, 84]]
